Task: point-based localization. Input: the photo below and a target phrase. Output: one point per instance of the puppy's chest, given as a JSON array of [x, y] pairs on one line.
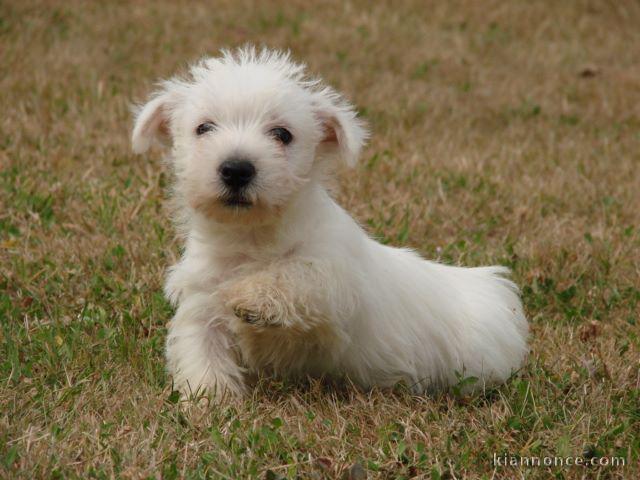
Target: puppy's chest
[[221, 269], [209, 273], [253, 283]]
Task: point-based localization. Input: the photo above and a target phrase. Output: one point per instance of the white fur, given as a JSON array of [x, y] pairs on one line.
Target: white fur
[[293, 285]]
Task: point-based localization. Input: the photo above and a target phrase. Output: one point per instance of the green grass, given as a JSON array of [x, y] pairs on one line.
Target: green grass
[[490, 145]]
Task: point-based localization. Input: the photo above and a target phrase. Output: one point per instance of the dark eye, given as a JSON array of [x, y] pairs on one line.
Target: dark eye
[[205, 127], [282, 135]]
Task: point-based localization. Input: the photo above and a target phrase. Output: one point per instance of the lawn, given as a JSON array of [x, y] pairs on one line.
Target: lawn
[[503, 133]]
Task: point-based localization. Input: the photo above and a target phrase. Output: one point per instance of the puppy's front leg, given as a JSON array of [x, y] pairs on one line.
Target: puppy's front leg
[[291, 293], [200, 351]]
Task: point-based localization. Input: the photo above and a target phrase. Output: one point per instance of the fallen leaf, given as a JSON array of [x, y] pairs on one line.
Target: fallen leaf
[[589, 71], [589, 331], [355, 472]]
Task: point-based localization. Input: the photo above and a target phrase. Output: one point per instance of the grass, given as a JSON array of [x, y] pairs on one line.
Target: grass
[[504, 132]]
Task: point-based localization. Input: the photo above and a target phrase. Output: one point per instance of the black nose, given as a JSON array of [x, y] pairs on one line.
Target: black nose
[[237, 173]]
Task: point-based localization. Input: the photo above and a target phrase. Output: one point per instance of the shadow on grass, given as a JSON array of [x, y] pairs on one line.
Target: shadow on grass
[[342, 391]]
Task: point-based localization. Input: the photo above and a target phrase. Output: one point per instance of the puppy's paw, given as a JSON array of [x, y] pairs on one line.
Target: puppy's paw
[[253, 317], [257, 300]]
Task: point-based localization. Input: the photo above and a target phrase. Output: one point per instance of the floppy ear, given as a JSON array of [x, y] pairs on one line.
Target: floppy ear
[[344, 133], [152, 122]]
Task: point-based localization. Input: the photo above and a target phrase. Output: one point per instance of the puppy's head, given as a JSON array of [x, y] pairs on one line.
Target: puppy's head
[[248, 131]]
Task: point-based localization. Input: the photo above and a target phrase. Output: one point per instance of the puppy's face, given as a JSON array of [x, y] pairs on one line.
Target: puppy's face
[[247, 132]]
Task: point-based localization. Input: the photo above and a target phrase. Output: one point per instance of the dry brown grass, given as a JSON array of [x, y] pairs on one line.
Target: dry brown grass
[[504, 132]]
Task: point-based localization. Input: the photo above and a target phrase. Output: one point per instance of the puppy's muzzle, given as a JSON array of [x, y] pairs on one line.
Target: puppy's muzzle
[[237, 173]]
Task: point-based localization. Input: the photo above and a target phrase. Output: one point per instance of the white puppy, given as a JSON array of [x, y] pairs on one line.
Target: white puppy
[[278, 278]]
